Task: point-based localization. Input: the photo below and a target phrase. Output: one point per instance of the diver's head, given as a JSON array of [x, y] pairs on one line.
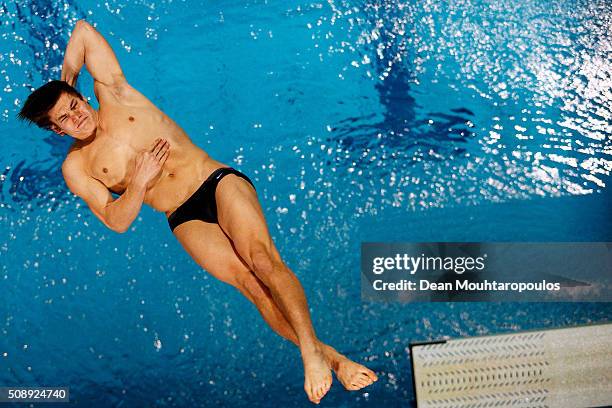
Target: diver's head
[[59, 107]]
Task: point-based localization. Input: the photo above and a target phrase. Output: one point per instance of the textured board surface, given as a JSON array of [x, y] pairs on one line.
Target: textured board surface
[[558, 368]]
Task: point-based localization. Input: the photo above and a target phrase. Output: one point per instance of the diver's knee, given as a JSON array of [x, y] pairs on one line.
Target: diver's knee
[[265, 265], [232, 273], [252, 287]]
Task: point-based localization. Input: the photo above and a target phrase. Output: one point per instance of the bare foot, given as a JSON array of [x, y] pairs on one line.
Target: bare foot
[[317, 375], [352, 375]]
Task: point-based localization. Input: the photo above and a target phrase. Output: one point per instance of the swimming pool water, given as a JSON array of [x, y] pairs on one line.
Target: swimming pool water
[[357, 121]]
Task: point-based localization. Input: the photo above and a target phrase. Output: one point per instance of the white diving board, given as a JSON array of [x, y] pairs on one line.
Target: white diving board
[[555, 368]]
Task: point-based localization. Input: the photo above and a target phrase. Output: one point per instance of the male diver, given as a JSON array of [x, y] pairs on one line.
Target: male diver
[[129, 147]]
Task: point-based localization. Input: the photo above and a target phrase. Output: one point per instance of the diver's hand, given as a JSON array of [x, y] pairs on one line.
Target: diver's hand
[[70, 77], [149, 164]]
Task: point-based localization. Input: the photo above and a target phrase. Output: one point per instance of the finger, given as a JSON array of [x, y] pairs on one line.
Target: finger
[[164, 157], [155, 145], [163, 149], [155, 149], [159, 147]]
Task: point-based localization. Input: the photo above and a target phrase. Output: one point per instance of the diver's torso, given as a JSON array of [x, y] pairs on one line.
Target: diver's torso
[[129, 123]]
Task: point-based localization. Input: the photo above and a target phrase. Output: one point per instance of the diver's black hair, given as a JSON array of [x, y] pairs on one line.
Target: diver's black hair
[[36, 108]]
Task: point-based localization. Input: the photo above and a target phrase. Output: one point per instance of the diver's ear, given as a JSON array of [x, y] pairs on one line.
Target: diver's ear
[[57, 130]]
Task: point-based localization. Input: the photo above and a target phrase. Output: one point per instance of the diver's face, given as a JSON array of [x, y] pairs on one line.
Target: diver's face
[[73, 116]]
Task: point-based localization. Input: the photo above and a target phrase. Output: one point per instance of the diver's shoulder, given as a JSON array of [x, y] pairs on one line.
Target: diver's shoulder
[[75, 157]]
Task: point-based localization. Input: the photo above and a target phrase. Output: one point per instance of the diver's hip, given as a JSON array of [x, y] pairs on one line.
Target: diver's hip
[[172, 190]]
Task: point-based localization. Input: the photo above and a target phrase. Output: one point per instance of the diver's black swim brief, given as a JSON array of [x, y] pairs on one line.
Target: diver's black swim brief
[[202, 204]]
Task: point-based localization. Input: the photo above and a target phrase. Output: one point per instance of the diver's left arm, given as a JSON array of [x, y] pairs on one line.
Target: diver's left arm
[[87, 47]]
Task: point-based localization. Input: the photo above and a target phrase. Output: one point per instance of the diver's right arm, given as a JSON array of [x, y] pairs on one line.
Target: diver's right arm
[[117, 214], [87, 47]]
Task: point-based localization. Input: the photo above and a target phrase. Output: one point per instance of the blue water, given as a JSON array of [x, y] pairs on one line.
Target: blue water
[[358, 121]]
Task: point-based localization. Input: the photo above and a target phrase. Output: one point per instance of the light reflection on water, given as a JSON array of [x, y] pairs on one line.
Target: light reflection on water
[[507, 100]]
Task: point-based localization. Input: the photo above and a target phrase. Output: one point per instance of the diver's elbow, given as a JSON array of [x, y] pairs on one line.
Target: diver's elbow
[[119, 229], [82, 25]]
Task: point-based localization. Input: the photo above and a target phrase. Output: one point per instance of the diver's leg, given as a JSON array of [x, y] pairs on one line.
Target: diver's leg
[[241, 218], [213, 251], [352, 375]]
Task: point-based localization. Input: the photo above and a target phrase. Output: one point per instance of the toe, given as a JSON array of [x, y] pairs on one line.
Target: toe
[[319, 392], [359, 386], [366, 378], [362, 382], [310, 393], [324, 387], [371, 374]]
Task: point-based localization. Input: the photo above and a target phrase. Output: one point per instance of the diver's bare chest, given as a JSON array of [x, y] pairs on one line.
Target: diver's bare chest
[[111, 156]]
